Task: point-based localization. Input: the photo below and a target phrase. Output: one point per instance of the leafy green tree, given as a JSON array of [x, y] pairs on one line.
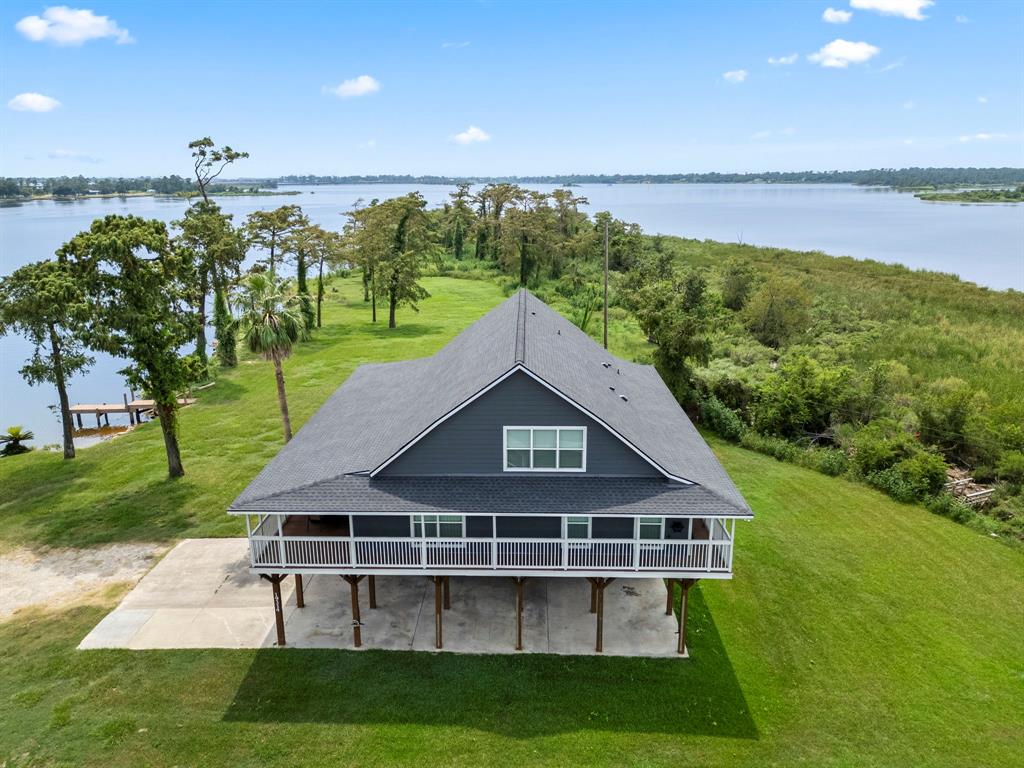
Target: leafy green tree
[[527, 236], [218, 250], [41, 302], [778, 311], [458, 220], [271, 323], [311, 246], [209, 162], [676, 315], [567, 211], [491, 202], [737, 282], [802, 398], [946, 409], [138, 290], [268, 229], [226, 328], [14, 439]]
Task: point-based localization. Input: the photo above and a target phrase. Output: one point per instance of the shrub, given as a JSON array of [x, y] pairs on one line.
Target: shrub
[[924, 472], [892, 483], [783, 450], [721, 419], [947, 505], [1010, 468], [882, 444], [831, 461], [801, 396]]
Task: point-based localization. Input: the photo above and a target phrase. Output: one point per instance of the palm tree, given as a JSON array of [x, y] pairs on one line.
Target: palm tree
[[12, 441], [271, 323]]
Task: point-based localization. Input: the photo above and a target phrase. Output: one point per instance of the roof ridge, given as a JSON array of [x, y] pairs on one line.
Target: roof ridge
[[520, 351]]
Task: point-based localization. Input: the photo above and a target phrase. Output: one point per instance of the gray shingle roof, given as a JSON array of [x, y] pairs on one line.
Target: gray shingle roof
[[491, 494], [382, 408]]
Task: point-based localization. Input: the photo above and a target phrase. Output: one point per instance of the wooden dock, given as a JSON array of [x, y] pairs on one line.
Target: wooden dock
[[135, 409]]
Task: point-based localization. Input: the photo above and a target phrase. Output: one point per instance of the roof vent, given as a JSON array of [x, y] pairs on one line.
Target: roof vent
[[606, 365], [533, 313], [624, 398], [612, 388], [559, 331], [618, 371]]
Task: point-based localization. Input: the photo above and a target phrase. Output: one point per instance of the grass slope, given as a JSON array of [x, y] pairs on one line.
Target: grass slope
[[858, 632]]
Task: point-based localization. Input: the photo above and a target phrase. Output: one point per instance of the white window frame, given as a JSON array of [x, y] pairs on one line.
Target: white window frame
[[438, 523], [558, 442], [661, 530], [566, 524]]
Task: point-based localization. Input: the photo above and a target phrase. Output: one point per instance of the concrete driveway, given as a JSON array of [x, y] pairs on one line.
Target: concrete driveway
[[201, 595]]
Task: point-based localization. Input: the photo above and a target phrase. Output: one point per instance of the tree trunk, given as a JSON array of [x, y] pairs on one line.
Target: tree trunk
[[204, 287], [373, 297], [319, 292], [392, 305], [282, 399], [366, 285], [62, 394], [168, 414]]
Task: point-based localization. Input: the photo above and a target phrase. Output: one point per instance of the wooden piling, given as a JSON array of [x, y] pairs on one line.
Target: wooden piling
[[371, 585], [300, 600], [275, 584]]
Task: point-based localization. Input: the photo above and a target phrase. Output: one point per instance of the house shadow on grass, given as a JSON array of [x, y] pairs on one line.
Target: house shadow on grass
[[517, 696]]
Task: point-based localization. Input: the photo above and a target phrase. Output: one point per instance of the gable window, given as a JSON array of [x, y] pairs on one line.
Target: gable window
[[649, 527], [438, 526], [545, 449]]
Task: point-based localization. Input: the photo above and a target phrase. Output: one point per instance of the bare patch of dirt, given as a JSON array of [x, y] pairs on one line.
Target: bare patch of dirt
[[59, 577]]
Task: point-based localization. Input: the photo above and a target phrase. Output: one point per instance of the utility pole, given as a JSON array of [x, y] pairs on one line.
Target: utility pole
[[606, 283]]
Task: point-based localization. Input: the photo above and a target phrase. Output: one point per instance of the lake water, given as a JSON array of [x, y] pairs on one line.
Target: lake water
[[981, 243]]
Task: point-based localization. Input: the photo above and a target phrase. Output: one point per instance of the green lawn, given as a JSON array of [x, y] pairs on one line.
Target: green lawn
[[857, 632]]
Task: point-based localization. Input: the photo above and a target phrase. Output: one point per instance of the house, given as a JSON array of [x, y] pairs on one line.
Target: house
[[522, 448]]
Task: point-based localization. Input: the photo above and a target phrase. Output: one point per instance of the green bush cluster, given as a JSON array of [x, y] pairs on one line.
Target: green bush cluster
[[721, 419]]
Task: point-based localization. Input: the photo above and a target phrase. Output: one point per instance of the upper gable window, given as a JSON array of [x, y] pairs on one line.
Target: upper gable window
[[545, 449]]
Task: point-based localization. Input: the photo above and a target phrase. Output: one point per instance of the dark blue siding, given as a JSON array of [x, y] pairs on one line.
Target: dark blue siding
[[470, 442]]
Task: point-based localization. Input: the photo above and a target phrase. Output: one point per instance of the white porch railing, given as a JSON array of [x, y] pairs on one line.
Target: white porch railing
[[354, 552]]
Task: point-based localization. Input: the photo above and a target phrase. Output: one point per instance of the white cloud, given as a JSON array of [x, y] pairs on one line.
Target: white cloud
[[735, 76], [840, 54], [961, 19], [67, 154], [982, 137], [464, 44], [983, 99], [832, 16], [471, 135], [909, 104], [761, 135], [908, 9], [357, 86], [71, 26], [33, 102], [369, 144], [783, 60]]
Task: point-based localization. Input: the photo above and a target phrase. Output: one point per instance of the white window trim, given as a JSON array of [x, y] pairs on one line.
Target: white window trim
[[558, 440], [566, 524], [423, 530], [636, 529]]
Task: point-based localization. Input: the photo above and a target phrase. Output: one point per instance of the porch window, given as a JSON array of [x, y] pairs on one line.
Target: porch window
[[545, 449], [439, 526], [577, 527], [649, 527]]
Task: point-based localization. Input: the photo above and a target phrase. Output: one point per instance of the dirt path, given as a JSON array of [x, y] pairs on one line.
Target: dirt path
[[63, 576]]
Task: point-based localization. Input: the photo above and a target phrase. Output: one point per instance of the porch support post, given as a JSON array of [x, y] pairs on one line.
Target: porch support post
[[438, 602], [593, 596], [275, 580], [357, 635], [300, 599], [519, 581], [598, 585], [670, 586], [685, 584], [447, 593], [371, 583]]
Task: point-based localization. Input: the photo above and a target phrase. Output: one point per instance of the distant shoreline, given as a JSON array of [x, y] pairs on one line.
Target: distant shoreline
[[112, 195]]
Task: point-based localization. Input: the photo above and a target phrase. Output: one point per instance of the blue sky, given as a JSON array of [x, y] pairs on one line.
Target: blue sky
[[511, 88]]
